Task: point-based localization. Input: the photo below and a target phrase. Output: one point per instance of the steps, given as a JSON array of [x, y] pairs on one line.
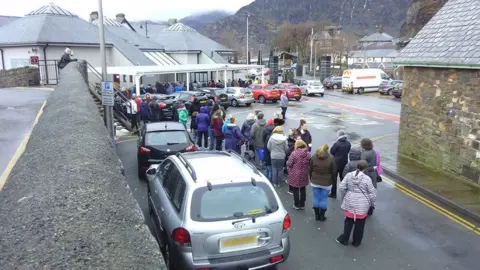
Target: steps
[[120, 122]]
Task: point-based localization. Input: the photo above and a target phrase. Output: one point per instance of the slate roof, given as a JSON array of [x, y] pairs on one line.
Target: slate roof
[[450, 38], [377, 37], [7, 19], [151, 27]]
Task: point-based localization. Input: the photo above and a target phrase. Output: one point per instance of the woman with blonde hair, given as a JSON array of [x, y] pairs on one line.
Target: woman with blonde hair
[[277, 146], [298, 164], [323, 173]]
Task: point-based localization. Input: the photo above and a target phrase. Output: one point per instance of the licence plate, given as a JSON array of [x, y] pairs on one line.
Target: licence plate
[[238, 242], [274, 92], [223, 99], [296, 95], [203, 101]]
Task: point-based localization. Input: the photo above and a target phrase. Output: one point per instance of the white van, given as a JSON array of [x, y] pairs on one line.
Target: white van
[[363, 80]]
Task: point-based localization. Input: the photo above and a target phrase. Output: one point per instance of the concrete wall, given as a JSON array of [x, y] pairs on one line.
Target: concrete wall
[[440, 120], [66, 204], [25, 76], [204, 59]]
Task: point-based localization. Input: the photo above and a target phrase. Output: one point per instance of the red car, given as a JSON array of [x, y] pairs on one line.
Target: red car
[[264, 92], [293, 91]]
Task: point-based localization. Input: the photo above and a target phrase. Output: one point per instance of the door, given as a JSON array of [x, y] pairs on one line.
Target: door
[[170, 198], [157, 193]]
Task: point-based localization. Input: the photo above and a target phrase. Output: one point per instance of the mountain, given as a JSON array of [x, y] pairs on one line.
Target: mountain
[[198, 21], [418, 14], [266, 16]]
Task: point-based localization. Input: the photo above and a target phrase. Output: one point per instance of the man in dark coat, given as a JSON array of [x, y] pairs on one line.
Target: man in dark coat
[[339, 151]]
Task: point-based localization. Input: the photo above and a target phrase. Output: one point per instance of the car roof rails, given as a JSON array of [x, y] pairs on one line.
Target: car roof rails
[[245, 161], [188, 166]]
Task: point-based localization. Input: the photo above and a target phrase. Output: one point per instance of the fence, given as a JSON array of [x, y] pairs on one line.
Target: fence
[[49, 73]]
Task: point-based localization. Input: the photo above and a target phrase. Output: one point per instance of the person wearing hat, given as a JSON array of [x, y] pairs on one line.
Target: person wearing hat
[[339, 151]]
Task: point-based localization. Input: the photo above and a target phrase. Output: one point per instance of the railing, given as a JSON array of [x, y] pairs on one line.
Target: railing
[[49, 73]]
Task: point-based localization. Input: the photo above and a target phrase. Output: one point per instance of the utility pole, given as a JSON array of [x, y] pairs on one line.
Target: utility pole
[[248, 15], [311, 51], [107, 87], [146, 29]]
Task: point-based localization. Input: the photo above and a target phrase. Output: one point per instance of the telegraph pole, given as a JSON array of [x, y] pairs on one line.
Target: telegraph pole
[[311, 51], [247, 38]]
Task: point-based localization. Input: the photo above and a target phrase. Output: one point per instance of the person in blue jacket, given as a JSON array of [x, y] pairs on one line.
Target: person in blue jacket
[[203, 123], [179, 87], [233, 137]]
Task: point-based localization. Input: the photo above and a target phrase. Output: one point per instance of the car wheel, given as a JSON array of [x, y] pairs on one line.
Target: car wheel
[[389, 92], [306, 93], [398, 96], [335, 86], [322, 94], [297, 98], [234, 103], [167, 257], [360, 91], [262, 99], [248, 104]]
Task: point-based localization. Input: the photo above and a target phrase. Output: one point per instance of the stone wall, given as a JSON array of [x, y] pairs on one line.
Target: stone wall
[[440, 120], [25, 76]]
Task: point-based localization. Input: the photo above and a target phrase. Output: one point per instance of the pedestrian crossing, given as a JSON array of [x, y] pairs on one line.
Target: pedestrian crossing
[[325, 120]]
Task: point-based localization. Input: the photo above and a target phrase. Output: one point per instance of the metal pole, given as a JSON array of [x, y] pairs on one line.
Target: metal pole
[[108, 110], [311, 51], [315, 68], [247, 38]]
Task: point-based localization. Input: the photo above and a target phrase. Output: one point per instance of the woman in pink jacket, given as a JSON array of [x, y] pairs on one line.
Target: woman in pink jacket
[[298, 169]]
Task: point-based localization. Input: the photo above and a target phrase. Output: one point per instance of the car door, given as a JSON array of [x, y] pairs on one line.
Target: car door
[[231, 93], [157, 193]]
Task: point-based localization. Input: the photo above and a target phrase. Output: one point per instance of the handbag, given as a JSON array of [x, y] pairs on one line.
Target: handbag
[[379, 178], [371, 207]]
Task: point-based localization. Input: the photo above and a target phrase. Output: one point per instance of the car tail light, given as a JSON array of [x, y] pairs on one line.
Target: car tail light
[[162, 105], [144, 151], [287, 222], [181, 236], [242, 96], [276, 259], [191, 148]]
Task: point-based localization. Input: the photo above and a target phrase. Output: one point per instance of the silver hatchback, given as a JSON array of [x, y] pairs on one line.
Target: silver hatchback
[[214, 210], [240, 96]]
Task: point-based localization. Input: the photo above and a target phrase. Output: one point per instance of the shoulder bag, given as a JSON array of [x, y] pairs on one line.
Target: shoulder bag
[[371, 207]]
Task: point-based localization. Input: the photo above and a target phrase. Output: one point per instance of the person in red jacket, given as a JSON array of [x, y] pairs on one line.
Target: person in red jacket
[[216, 124]]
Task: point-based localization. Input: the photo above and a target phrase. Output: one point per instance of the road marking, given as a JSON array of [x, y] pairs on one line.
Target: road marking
[[470, 226], [20, 150], [128, 140], [35, 88]]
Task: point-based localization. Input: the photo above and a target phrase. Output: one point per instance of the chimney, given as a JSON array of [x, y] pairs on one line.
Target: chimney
[[120, 17], [380, 28], [93, 16], [172, 21]]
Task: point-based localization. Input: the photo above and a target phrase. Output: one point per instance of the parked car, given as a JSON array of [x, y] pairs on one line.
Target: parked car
[[188, 96], [293, 91], [312, 87], [358, 81], [386, 88], [159, 140], [240, 96], [334, 82], [205, 219], [264, 92], [166, 104], [397, 90], [218, 95]]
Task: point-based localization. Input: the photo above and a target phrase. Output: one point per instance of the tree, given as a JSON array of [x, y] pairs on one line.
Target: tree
[[343, 46], [228, 40]]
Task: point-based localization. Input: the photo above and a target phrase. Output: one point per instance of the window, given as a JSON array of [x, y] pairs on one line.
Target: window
[[131, 79], [166, 138], [230, 201], [179, 193], [170, 182], [245, 91], [231, 91], [281, 86], [269, 87], [164, 170], [385, 77], [181, 77], [124, 78], [256, 87], [314, 83]]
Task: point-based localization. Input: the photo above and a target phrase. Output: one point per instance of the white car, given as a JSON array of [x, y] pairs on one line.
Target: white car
[[311, 87]]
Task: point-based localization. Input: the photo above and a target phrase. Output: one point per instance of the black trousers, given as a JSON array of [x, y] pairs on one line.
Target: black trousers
[[203, 134], [299, 196], [284, 112], [357, 231], [218, 142], [334, 185], [134, 121]]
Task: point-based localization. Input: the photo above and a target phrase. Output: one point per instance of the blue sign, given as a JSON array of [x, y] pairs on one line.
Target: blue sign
[[107, 94]]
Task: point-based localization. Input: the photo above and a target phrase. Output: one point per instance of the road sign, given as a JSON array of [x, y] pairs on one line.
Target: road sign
[[33, 60], [108, 98]]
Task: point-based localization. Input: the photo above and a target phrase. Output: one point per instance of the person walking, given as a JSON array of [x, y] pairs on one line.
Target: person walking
[[323, 173], [203, 121], [298, 164], [370, 156], [194, 126], [234, 138], [358, 201], [182, 115], [256, 136], [277, 146], [284, 104], [354, 156], [216, 124], [305, 134], [339, 150]]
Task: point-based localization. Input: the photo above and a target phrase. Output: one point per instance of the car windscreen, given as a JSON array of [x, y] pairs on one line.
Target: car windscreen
[[232, 201], [269, 87], [314, 83], [166, 137], [245, 91], [220, 91]]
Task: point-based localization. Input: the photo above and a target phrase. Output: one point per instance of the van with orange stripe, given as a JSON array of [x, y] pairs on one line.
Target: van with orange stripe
[[359, 81]]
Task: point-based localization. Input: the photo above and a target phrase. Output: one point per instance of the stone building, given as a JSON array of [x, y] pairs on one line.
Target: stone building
[[440, 119]]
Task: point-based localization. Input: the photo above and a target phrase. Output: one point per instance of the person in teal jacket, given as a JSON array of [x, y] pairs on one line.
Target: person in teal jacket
[[182, 115], [227, 122]]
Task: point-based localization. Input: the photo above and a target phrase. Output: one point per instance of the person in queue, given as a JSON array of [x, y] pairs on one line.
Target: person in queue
[[305, 134], [182, 115], [369, 155], [269, 127], [145, 113], [246, 127], [234, 138], [202, 121], [323, 173], [354, 157], [256, 135], [216, 124], [155, 111], [298, 164], [132, 113], [291, 139], [195, 107], [277, 146], [358, 200], [211, 139], [340, 150], [194, 126]]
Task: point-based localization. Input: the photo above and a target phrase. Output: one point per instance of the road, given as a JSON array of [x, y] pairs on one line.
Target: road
[[18, 109], [402, 234]]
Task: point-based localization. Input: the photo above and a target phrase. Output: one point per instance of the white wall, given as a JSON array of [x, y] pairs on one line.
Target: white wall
[[193, 58], [204, 59], [181, 58], [20, 57]]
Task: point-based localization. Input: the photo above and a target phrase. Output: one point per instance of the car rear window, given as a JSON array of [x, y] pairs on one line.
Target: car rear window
[[220, 91], [232, 201], [245, 91], [314, 83], [166, 137], [269, 87]]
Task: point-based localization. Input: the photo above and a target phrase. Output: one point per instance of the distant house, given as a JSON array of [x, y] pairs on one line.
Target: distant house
[[378, 47], [440, 124]]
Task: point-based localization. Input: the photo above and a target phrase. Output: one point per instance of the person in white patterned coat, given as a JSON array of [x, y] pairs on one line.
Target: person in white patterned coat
[[357, 194]]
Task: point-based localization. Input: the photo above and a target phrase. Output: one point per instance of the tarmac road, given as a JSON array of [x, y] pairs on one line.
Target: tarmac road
[[402, 234]]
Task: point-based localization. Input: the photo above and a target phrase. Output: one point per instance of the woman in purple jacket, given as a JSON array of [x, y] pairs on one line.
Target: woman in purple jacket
[[203, 121], [234, 137]]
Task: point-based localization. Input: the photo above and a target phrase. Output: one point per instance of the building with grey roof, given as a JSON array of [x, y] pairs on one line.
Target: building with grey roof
[[7, 19], [440, 103]]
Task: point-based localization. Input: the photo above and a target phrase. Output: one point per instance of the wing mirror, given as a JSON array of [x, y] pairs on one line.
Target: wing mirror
[[151, 172]]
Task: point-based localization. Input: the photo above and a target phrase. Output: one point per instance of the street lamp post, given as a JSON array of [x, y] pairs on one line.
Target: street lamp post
[[247, 38], [311, 51]]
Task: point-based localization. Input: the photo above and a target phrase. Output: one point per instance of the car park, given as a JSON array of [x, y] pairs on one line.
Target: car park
[[166, 104], [312, 87], [334, 82], [264, 92], [207, 219], [218, 95], [187, 97], [386, 88], [240, 96], [292, 91], [397, 90], [159, 140]]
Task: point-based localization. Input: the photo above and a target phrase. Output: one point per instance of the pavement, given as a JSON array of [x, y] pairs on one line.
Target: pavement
[[18, 109], [406, 228]]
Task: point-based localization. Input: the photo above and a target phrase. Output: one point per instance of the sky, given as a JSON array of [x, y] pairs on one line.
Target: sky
[[133, 9]]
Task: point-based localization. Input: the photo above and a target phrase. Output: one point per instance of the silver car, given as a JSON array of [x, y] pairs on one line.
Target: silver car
[[240, 96], [311, 87], [215, 210]]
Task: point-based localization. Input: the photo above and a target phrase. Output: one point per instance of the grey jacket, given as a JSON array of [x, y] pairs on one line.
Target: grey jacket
[[354, 156], [256, 133], [371, 158], [278, 146], [283, 101]]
